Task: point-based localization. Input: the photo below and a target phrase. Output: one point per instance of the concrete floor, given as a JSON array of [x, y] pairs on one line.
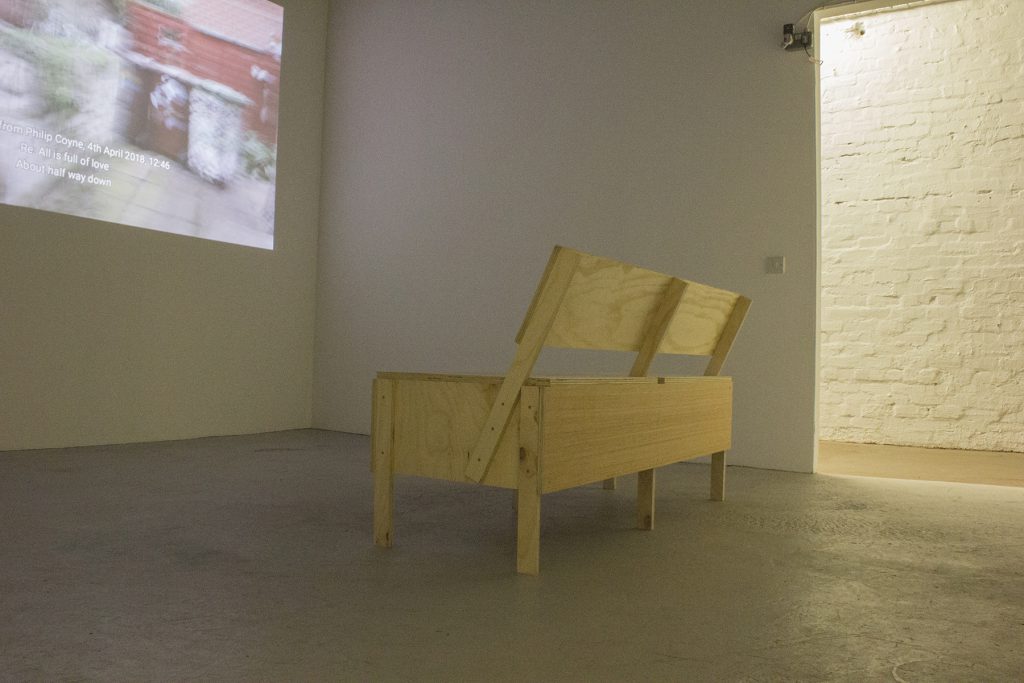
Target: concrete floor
[[249, 558]]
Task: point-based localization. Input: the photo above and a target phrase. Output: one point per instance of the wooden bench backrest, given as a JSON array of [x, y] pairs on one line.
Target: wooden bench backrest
[[587, 302], [613, 306]]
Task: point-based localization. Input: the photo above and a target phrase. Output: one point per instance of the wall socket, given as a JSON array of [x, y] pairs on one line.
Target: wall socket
[[775, 265]]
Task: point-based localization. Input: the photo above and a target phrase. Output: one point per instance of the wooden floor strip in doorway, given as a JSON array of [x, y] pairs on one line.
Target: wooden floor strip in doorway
[[910, 462]]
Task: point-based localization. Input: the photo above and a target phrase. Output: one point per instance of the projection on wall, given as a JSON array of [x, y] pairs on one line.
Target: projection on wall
[[158, 114]]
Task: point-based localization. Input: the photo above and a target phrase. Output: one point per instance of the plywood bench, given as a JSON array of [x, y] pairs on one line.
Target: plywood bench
[[539, 435]]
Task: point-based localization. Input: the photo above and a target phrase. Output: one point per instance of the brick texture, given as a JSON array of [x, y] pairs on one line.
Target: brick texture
[[923, 227]]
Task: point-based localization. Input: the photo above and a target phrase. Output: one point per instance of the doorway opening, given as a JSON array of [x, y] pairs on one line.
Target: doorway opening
[[921, 110]]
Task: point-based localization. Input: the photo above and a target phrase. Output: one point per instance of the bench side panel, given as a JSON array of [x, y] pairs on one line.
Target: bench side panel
[[437, 423], [597, 431]]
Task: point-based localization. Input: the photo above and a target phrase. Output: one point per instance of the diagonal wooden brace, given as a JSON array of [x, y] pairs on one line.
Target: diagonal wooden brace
[[539, 319]]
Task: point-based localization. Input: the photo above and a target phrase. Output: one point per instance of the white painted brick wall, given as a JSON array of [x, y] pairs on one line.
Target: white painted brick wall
[[923, 230]]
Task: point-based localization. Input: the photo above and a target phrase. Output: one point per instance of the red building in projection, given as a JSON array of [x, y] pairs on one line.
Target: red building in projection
[[234, 43]]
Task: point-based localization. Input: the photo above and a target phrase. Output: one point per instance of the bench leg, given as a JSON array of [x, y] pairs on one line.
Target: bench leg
[[382, 464], [528, 514], [645, 499], [718, 476], [609, 484], [383, 503]]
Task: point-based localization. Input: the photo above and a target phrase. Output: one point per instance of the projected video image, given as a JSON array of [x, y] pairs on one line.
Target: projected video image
[[159, 114]]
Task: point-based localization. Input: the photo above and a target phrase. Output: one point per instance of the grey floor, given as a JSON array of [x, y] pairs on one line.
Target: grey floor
[[249, 558]]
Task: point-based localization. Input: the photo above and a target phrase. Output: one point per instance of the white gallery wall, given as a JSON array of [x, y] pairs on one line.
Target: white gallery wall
[[465, 139], [923, 227], [114, 334]]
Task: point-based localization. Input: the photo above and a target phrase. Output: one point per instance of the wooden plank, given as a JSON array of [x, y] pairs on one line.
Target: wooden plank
[[551, 381], [381, 443], [528, 492], [439, 422], [658, 325], [645, 499], [436, 377], [593, 432], [538, 323], [732, 328], [699, 320], [541, 381], [557, 253], [609, 306], [718, 476], [997, 468]]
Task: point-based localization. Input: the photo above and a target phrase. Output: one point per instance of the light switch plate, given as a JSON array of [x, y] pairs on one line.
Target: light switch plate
[[775, 265]]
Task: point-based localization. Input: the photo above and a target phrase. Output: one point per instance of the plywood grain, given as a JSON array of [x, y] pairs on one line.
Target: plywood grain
[[593, 432], [528, 493], [535, 330], [382, 462], [612, 306], [437, 423]]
